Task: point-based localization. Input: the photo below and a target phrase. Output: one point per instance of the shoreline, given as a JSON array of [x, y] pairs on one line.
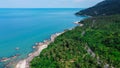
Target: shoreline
[[25, 63]]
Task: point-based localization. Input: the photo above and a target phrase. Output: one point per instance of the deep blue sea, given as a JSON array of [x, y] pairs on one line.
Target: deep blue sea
[[22, 28]]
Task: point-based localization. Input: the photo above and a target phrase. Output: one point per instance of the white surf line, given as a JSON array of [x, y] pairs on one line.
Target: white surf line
[[26, 62]]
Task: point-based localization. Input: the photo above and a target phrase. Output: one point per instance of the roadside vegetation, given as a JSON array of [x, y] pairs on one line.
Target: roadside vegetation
[[70, 50]]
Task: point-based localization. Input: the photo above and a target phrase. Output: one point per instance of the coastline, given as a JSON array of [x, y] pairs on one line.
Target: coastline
[[25, 63]]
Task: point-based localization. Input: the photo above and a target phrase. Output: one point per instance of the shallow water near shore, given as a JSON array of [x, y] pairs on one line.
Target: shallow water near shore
[[22, 28]]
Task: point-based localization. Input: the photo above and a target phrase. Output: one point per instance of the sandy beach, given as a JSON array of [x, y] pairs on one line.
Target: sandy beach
[[39, 47], [25, 63]]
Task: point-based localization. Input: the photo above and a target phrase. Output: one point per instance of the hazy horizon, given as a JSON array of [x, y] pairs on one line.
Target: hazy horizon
[[48, 4]]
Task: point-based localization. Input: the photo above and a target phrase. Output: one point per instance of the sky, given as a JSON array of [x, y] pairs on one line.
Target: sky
[[47, 3]]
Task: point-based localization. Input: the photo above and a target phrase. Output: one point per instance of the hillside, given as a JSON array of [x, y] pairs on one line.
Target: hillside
[[106, 7], [95, 45]]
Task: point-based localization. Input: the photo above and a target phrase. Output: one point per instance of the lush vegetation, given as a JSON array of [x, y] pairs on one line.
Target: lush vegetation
[[94, 45], [101, 34], [103, 37], [106, 7]]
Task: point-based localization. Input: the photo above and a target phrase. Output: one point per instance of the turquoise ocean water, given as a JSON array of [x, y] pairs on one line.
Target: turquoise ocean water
[[24, 27]]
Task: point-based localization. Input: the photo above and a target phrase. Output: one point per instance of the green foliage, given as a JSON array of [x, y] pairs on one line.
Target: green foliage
[[68, 50], [103, 37]]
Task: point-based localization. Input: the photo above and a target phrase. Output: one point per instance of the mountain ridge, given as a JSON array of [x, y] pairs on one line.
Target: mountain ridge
[[106, 7]]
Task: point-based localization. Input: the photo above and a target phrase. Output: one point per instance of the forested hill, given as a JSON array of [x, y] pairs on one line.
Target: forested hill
[[95, 45], [106, 7]]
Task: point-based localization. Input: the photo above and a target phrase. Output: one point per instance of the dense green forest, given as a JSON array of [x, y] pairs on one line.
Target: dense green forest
[[94, 45], [106, 7]]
